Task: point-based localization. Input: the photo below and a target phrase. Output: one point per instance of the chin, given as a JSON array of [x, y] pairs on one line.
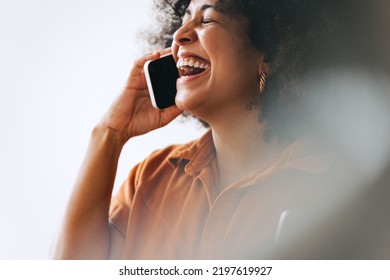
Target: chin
[[198, 102], [187, 100]]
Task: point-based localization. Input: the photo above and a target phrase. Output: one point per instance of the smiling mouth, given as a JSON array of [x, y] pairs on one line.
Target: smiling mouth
[[191, 66]]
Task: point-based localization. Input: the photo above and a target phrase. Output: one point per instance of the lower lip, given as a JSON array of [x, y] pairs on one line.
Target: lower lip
[[184, 79]]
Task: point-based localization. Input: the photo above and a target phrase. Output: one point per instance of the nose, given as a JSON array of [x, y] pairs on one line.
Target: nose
[[186, 34]]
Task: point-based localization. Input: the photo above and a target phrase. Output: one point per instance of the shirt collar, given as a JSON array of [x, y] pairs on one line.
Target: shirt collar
[[195, 155], [301, 155]]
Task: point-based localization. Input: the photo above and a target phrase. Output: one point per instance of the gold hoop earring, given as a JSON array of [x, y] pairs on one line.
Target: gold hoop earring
[[263, 78]]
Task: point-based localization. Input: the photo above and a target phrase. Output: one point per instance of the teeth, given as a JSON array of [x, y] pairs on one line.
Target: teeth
[[182, 62]]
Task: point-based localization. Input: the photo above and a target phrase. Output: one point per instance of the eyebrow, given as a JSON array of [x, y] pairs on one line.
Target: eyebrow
[[203, 8]]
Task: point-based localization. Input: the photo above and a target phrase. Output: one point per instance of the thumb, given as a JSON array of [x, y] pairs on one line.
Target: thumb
[[169, 114]]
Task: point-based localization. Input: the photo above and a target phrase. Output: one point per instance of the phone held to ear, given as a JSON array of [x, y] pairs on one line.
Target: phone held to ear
[[161, 75]]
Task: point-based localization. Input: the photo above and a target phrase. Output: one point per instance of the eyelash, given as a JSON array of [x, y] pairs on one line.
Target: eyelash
[[207, 20]]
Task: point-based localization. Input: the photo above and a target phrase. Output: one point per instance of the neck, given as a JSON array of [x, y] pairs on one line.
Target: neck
[[241, 150]]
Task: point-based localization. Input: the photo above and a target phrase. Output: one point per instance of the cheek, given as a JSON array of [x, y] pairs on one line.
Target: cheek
[[238, 77]]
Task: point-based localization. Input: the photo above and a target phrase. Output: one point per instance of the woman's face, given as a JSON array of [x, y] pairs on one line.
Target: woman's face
[[219, 69]]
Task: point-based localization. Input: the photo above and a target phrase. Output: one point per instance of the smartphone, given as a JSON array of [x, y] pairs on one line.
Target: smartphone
[[161, 75]]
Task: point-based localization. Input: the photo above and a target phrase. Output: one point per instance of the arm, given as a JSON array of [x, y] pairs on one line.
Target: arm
[[86, 230]]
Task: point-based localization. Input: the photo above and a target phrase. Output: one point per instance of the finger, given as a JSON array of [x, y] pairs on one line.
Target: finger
[[165, 51], [151, 56], [139, 63], [169, 114]]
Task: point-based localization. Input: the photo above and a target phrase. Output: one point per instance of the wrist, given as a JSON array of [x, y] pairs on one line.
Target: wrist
[[108, 136]]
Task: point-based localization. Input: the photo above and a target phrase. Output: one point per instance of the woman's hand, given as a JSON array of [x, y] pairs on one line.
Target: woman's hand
[[133, 114], [87, 215]]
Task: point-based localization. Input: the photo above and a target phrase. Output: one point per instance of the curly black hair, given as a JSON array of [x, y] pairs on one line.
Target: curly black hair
[[299, 37]]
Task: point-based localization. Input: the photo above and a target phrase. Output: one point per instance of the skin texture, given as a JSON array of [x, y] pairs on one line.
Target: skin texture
[[86, 220], [311, 41], [219, 95], [231, 81]]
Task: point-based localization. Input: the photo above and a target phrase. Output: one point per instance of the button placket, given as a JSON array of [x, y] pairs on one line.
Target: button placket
[[217, 223]]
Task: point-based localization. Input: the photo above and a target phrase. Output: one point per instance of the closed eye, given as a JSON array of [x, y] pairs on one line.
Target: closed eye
[[207, 20]]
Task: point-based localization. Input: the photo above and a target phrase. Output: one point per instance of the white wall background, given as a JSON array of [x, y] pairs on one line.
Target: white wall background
[[62, 62]]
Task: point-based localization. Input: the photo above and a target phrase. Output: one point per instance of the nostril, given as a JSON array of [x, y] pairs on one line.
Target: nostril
[[184, 40]]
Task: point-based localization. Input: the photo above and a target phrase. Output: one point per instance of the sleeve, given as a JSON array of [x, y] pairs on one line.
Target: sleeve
[[122, 201]]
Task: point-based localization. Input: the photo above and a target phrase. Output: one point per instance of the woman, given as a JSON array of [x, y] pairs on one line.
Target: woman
[[224, 195]]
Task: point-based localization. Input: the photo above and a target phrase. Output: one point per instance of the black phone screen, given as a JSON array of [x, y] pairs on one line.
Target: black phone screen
[[161, 76]]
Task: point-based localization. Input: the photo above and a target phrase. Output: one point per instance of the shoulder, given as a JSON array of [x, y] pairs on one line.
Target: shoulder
[[154, 170], [164, 161]]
